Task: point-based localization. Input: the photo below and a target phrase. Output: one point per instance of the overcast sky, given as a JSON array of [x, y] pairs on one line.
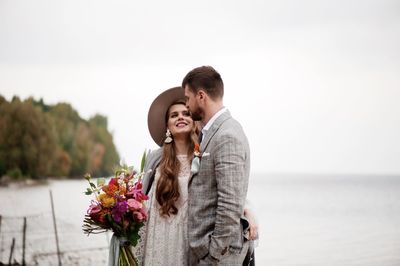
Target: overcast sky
[[315, 84]]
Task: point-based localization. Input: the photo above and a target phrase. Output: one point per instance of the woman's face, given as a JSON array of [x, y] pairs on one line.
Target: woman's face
[[179, 120]]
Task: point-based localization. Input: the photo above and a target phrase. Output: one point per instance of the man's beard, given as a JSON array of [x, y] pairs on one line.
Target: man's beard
[[197, 115]]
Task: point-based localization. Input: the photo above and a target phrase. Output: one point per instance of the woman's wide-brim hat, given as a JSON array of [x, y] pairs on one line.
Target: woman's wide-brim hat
[[158, 110]]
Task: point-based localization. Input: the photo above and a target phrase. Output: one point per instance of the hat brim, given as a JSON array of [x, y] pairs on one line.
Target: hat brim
[[158, 110]]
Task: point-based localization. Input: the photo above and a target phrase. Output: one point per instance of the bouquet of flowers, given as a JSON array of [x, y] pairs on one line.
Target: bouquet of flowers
[[118, 206]]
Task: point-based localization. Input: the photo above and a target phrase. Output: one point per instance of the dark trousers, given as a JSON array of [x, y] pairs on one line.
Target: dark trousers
[[250, 259]]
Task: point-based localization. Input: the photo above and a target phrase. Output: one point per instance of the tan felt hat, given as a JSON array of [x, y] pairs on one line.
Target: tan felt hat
[[157, 113]]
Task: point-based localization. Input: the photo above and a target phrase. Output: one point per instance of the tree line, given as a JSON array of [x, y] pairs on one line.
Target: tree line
[[39, 140]]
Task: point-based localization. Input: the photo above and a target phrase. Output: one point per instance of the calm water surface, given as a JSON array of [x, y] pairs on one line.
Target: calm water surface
[[304, 220]]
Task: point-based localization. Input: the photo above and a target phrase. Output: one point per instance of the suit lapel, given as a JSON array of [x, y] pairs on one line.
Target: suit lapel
[[210, 133], [213, 129]]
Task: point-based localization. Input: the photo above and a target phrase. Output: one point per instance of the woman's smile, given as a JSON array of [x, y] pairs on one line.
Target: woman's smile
[[181, 124]]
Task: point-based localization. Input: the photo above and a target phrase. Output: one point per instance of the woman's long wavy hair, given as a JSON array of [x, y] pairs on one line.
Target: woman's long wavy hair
[[167, 190]]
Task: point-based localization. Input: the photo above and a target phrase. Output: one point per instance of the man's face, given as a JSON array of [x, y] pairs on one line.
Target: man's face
[[192, 104]]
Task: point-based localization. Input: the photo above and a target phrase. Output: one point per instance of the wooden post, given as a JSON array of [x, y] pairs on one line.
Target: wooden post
[[55, 228], [11, 251], [23, 242]]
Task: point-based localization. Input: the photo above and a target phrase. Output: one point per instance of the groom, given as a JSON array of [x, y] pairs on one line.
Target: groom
[[217, 193]]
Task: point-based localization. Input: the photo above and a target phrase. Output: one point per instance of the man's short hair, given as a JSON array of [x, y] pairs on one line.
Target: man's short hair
[[206, 78]]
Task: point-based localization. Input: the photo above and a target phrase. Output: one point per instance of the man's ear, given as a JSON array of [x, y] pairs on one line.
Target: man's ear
[[201, 94]]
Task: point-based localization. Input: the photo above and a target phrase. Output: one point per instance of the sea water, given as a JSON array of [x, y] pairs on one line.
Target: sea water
[[303, 220]]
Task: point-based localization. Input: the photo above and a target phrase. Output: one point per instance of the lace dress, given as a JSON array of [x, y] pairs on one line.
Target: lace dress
[[166, 237]]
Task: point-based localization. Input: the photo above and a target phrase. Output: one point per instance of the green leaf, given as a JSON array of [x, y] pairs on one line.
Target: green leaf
[[121, 171], [88, 191], [143, 161], [133, 233]]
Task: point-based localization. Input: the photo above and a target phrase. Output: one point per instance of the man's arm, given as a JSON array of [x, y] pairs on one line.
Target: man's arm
[[232, 180]]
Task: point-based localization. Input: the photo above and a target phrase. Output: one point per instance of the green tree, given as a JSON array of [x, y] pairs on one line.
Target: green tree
[[66, 121], [38, 140], [2, 99], [104, 155], [27, 139]]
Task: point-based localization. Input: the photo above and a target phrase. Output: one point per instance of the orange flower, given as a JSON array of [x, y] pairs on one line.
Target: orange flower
[[196, 150], [122, 190], [106, 200], [110, 189]]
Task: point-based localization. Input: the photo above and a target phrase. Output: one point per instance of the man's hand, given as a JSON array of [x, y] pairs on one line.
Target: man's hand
[[253, 229]]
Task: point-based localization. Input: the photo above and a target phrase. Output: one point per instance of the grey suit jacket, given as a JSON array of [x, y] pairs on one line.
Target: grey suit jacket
[[217, 194]]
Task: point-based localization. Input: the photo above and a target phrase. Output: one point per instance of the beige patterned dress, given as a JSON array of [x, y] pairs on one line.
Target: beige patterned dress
[[166, 237]]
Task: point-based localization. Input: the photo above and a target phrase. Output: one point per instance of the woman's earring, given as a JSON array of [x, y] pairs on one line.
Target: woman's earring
[[168, 138]]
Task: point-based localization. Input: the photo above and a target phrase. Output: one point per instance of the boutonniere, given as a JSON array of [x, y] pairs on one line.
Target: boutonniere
[[196, 152], [196, 159]]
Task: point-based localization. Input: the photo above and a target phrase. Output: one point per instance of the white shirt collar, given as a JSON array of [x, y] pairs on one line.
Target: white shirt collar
[[212, 120]]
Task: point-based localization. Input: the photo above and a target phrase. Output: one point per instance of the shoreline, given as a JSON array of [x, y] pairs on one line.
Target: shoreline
[[27, 182], [6, 181]]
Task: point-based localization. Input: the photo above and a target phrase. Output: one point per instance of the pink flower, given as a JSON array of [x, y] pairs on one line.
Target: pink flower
[[137, 193], [140, 215], [134, 205], [94, 207]]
